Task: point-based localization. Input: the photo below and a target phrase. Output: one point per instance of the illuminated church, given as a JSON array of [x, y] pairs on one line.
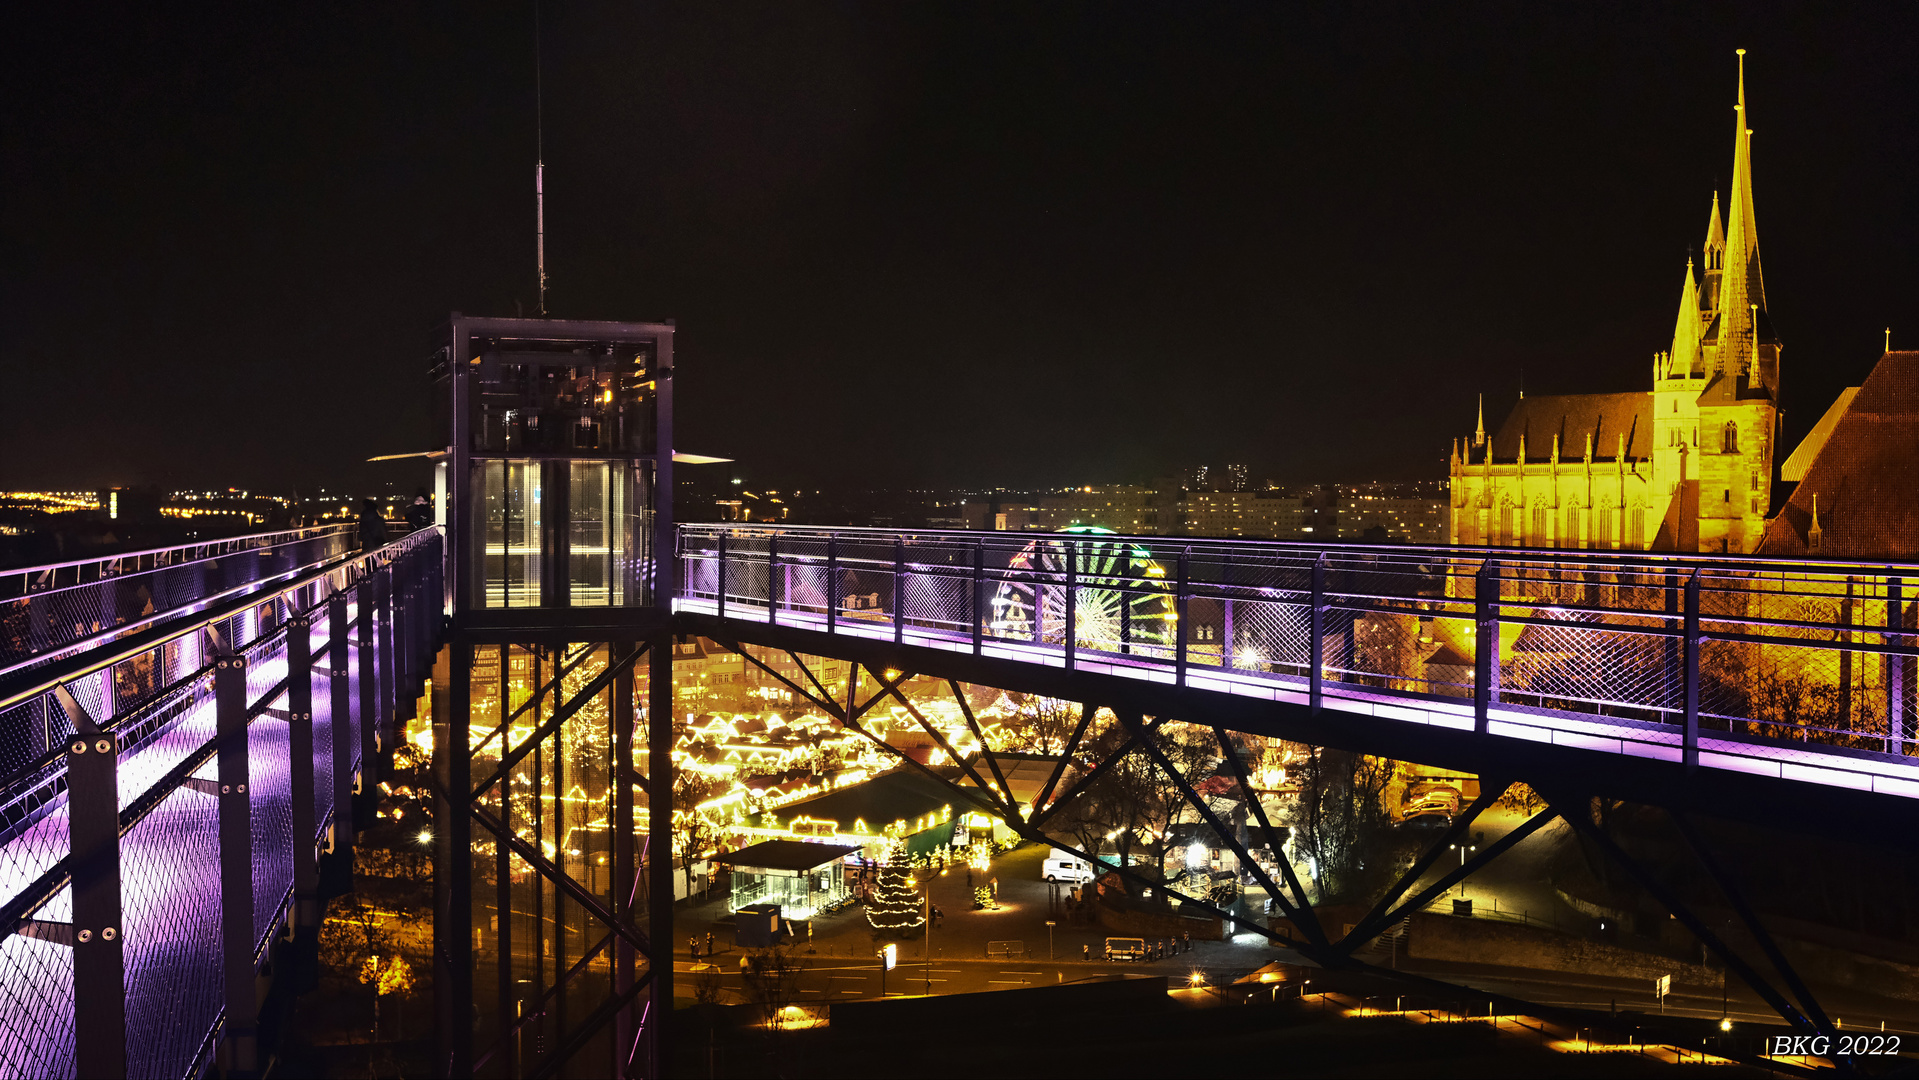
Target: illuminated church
[[1685, 466]]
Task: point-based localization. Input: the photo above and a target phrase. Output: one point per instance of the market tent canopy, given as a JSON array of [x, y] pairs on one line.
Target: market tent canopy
[[797, 856]]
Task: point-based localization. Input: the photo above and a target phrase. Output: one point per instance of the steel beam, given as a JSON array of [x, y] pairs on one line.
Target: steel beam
[[625, 878], [340, 731], [659, 852], [306, 867], [1651, 883], [369, 712], [1310, 924], [452, 853], [93, 836], [240, 1037]]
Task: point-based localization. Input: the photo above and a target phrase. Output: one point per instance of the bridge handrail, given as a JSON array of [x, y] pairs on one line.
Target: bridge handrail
[[155, 762], [12, 577], [1813, 657], [41, 624], [1615, 561]]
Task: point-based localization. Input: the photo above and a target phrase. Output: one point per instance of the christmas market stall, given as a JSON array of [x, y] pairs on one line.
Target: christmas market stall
[[903, 809], [799, 876]]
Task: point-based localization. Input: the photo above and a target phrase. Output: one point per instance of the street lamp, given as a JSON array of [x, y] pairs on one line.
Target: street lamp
[[1464, 850]]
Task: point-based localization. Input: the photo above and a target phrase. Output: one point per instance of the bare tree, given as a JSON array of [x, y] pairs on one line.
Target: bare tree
[[1342, 825]]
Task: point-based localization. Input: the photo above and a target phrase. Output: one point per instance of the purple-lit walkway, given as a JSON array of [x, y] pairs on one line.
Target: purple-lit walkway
[[1855, 770]]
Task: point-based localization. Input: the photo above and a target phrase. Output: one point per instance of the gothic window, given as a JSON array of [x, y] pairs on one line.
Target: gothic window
[[1602, 527], [1571, 538], [1730, 442], [1754, 485], [1636, 535], [1505, 534], [1538, 538]]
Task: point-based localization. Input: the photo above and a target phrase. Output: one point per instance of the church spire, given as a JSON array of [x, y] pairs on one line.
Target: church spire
[[1715, 236], [1479, 433], [1686, 329], [1742, 293]]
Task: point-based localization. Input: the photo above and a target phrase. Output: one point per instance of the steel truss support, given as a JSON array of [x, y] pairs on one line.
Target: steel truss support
[[240, 1038], [634, 1040], [1310, 924], [659, 861], [93, 834], [452, 848], [561, 715], [1581, 820], [1377, 919], [1030, 830], [1392, 907], [1736, 897]]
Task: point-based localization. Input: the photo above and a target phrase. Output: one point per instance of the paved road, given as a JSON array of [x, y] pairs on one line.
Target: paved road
[[840, 979]]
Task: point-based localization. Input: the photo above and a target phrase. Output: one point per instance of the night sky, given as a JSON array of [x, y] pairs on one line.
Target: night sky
[[924, 244]]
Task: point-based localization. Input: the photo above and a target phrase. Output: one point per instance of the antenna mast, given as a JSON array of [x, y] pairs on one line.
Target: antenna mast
[[539, 160]]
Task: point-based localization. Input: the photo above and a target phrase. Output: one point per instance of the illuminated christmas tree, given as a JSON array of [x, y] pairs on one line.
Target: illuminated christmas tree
[[895, 905]]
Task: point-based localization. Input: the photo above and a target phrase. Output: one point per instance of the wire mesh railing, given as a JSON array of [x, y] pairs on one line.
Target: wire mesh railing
[[1761, 665], [179, 873], [56, 610]]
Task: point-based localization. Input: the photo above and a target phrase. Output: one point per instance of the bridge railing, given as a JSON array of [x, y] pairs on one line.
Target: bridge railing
[[1674, 655], [58, 609], [120, 822]]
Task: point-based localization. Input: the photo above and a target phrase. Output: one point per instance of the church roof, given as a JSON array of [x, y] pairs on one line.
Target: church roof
[[1866, 476], [1572, 417]]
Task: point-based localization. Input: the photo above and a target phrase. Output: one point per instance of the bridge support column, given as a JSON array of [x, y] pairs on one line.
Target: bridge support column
[[1486, 645], [340, 731], [99, 965], [389, 684], [1316, 634], [368, 707], [625, 880], [1896, 668], [239, 1042], [306, 869], [453, 872], [659, 849], [1690, 751]]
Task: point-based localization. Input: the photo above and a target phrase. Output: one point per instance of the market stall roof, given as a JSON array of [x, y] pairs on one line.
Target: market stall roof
[[798, 855]]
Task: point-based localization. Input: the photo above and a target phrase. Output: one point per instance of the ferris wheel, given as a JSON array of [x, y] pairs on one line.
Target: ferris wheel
[[1121, 600]]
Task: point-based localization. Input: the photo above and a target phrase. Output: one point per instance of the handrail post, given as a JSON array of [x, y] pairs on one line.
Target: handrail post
[[236, 865], [1316, 633], [339, 731], [1692, 672], [369, 705], [1072, 600], [832, 582], [899, 590], [772, 578], [1180, 583], [1895, 668], [719, 591], [306, 874], [1485, 645], [99, 962], [979, 595]]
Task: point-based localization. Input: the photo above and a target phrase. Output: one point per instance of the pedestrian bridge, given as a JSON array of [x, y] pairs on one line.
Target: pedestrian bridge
[[1748, 677], [182, 733]]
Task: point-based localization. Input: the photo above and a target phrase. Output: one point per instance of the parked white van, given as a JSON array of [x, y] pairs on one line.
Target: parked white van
[[1067, 867]]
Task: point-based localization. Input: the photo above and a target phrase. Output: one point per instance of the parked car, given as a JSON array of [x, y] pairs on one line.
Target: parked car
[[1125, 948]]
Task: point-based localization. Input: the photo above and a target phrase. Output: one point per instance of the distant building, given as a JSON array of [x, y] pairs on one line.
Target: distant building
[[1407, 513], [1252, 514], [1125, 509], [1685, 466]]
